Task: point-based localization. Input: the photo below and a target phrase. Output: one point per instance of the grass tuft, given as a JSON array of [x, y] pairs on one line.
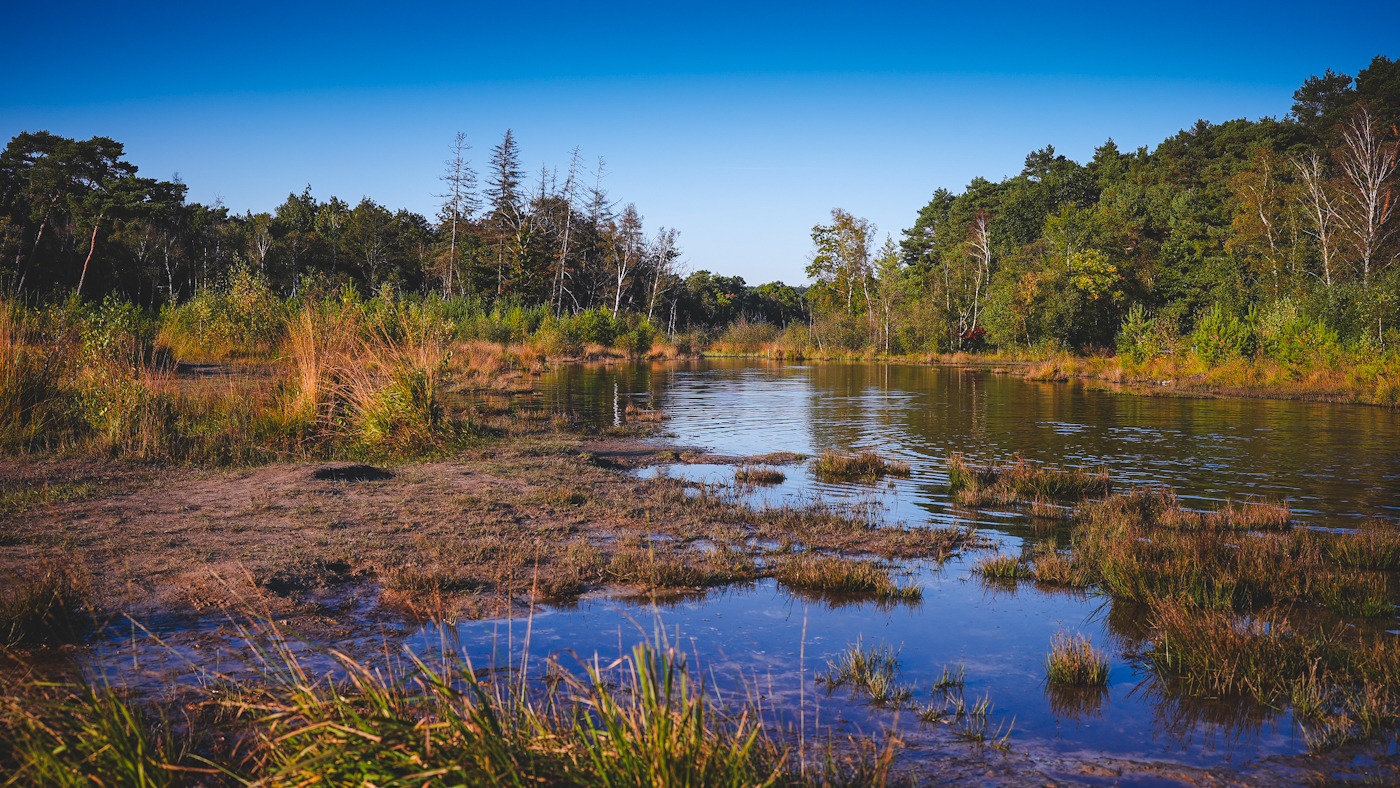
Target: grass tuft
[[861, 466], [873, 671], [843, 576], [44, 608], [1074, 661], [1021, 482], [758, 474], [1003, 567]]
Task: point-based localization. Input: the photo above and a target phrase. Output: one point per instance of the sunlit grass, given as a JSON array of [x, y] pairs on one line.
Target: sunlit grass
[[1073, 661], [860, 466]]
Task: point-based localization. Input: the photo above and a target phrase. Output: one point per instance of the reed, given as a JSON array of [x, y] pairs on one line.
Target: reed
[[1073, 661], [860, 466]]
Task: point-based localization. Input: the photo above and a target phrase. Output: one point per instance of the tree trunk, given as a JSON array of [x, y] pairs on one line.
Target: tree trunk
[[29, 262], [92, 247]]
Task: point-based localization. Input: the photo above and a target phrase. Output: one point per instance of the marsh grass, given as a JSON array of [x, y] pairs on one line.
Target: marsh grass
[[758, 474], [843, 576], [1003, 567], [1022, 482], [659, 568], [643, 720], [1265, 656], [872, 671], [1073, 661], [861, 466], [45, 607], [1142, 546]]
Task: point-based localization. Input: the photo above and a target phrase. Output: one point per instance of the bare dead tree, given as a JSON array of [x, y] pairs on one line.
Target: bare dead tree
[[1319, 205], [1367, 162], [459, 201], [628, 247], [556, 296]]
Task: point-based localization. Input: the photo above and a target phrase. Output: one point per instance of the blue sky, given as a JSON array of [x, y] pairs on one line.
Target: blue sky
[[741, 124]]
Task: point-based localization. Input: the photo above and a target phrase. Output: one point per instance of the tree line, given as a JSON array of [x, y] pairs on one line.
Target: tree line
[[1290, 220], [76, 220]]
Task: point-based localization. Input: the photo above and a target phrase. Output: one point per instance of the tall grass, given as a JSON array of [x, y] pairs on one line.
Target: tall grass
[[44, 607], [81, 736], [1073, 661], [644, 720]]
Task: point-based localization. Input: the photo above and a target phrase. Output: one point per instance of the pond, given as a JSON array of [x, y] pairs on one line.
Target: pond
[[1333, 464]]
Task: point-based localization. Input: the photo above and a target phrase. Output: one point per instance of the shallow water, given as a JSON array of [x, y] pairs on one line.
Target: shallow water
[[1333, 464]]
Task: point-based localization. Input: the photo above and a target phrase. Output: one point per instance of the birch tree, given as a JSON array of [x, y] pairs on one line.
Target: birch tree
[[1319, 205], [1367, 162]]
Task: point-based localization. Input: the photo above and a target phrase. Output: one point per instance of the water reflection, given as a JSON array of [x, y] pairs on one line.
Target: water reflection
[[1329, 461]]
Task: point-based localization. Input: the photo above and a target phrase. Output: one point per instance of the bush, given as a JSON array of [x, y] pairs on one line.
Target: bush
[[1136, 340], [1219, 337]]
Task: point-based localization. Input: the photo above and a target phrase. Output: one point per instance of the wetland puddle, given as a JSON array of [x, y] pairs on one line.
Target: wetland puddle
[[1334, 465]]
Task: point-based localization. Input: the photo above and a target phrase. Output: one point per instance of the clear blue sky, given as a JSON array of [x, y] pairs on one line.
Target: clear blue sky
[[741, 124]]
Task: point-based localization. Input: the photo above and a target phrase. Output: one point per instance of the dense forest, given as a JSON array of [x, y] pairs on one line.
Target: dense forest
[[1276, 235], [1277, 232], [76, 220]]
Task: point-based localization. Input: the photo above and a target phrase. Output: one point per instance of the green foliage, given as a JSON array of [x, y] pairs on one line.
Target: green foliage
[[1136, 337], [86, 737], [1220, 336], [240, 316]]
